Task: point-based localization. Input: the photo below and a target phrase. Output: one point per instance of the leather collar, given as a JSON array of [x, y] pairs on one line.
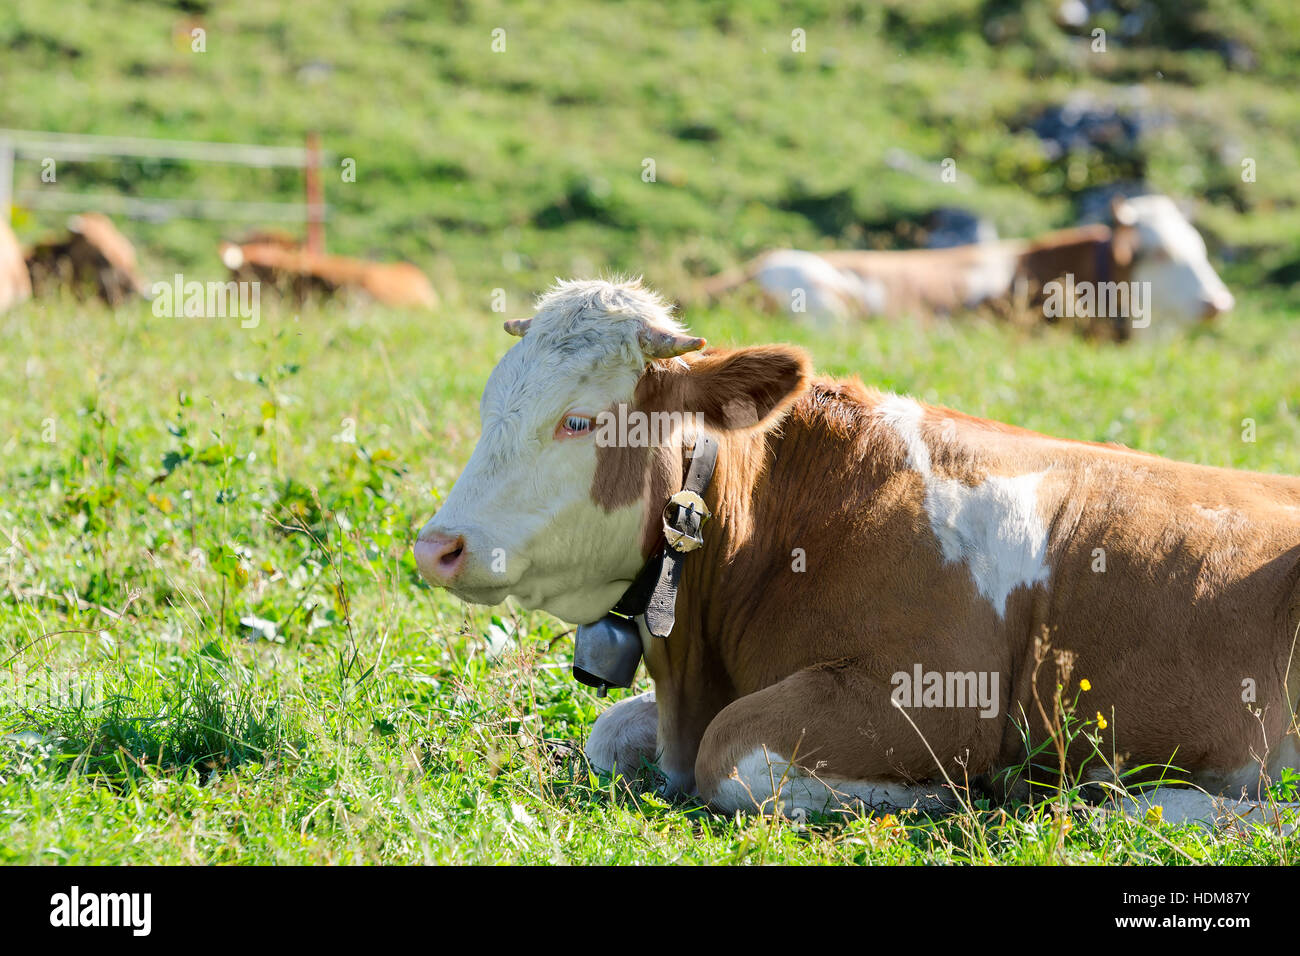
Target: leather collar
[[654, 590]]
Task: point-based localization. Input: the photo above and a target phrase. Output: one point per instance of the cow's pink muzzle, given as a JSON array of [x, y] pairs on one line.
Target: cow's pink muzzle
[[439, 557]]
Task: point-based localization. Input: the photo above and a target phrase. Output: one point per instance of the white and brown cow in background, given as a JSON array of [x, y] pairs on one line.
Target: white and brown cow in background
[[1148, 241], [857, 536]]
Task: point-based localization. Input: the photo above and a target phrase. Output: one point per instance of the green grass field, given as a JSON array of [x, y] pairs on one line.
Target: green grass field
[[206, 528]]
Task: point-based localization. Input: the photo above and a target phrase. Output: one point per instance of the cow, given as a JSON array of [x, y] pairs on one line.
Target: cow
[[274, 259], [1148, 262], [861, 539], [94, 256], [15, 285]]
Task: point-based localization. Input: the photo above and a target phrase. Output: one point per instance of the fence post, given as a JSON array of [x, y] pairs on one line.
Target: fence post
[[315, 197]]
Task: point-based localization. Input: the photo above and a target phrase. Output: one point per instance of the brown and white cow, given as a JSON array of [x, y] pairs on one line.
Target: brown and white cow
[[859, 536], [1148, 242], [15, 285], [93, 257], [275, 259]]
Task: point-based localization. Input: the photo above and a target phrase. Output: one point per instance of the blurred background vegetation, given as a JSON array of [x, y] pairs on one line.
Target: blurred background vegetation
[[505, 169]]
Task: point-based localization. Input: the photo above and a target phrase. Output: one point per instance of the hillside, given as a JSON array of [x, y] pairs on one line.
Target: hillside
[[504, 169]]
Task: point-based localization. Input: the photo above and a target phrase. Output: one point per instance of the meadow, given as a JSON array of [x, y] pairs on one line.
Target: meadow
[[214, 645]]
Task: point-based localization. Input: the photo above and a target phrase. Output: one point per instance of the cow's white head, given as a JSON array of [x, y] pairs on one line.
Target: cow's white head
[[554, 508], [1154, 238]]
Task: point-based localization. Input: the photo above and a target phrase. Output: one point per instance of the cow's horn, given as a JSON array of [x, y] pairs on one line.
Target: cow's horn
[[657, 343], [518, 326]]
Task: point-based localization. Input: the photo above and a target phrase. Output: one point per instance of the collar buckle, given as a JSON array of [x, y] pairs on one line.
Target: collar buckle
[[682, 530]]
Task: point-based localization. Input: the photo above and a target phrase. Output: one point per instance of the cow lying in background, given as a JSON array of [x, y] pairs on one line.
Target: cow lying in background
[[275, 260], [859, 539], [1148, 241], [15, 285], [92, 257]]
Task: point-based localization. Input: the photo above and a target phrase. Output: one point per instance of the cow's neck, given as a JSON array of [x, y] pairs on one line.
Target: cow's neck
[[718, 647], [692, 667]]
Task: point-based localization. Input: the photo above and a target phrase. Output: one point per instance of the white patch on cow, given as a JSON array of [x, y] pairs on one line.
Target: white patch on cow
[[1224, 518], [762, 773], [624, 734], [789, 276], [992, 273], [993, 527], [1185, 805]]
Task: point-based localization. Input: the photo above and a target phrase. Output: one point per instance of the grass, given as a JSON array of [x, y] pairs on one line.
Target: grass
[[214, 646], [198, 548]]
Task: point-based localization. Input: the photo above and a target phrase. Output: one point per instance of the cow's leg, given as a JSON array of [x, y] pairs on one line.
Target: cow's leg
[[822, 738], [625, 735]]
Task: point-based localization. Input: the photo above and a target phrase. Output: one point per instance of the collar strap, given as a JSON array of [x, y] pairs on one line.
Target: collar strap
[[654, 591]]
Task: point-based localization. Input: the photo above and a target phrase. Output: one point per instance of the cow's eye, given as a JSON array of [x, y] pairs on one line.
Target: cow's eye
[[571, 426]]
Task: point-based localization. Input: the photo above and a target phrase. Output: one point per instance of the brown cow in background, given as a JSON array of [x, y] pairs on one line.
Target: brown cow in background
[[275, 259], [92, 256]]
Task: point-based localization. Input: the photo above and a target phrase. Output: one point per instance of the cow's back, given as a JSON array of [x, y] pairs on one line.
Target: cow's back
[[400, 284], [928, 281]]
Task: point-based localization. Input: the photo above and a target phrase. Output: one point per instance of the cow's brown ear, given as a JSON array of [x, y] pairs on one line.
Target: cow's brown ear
[[1123, 245], [745, 388]]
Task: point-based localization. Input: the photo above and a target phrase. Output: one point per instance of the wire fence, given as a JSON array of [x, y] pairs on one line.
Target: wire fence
[[30, 144]]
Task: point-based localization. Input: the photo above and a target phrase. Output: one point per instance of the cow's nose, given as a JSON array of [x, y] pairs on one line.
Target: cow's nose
[[439, 556], [1221, 302]]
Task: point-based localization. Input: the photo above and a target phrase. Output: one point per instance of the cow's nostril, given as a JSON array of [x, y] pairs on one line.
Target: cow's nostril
[[1218, 305], [439, 556]]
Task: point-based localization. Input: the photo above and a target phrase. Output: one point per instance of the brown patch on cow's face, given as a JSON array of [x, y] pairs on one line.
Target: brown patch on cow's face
[[620, 476], [743, 390]]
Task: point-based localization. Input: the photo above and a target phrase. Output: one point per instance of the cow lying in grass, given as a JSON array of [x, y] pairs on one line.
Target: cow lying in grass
[[276, 261], [94, 257], [862, 543], [1147, 269]]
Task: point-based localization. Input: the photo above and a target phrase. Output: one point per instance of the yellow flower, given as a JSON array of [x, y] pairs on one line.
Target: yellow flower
[[1101, 721], [1085, 684], [1155, 814], [887, 828]]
